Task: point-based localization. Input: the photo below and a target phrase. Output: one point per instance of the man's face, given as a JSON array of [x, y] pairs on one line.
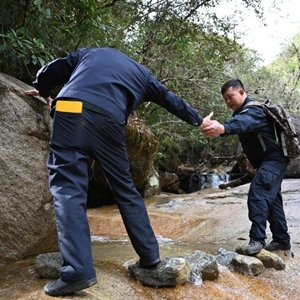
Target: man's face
[[234, 98]]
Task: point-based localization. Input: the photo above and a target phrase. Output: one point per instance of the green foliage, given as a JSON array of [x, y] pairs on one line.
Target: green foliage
[[34, 32], [285, 70], [20, 48]]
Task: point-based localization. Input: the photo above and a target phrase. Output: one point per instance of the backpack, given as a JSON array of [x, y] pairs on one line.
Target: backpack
[[283, 126]]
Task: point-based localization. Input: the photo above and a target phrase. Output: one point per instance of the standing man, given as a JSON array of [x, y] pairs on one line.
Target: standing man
[[264, 197], [102, 87]]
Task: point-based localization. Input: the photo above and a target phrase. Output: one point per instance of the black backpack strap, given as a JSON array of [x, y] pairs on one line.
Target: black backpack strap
[[260, 135]]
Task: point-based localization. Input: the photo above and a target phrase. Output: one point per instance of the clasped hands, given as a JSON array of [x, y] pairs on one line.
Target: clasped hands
[[211, 127]]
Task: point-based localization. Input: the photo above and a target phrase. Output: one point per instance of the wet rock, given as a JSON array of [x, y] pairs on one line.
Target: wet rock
[[247, 265], [269, 259], [47, 265], [201, 262], [224, 257], [169, 272], [170, 183]]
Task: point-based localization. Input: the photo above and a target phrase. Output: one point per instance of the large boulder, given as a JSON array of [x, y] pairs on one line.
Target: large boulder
[[27, 220]]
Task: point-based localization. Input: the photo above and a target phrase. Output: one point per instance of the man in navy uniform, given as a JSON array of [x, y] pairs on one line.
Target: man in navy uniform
[[266, 158], [102, 87]]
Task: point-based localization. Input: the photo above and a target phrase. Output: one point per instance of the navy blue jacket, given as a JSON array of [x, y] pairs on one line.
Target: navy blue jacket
[[248, 122], [112, 81]]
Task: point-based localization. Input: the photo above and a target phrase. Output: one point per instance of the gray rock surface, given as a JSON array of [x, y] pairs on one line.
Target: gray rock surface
[[169, 273], [27, 218], [203, 263], [247, 265], [269, 259], [47, 265]]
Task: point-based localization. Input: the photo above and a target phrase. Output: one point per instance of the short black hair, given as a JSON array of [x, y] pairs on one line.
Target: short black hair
[[234, 83]]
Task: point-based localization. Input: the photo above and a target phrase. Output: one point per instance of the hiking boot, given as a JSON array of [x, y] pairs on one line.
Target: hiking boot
[[253, 247], [59, 287], [273, 246]]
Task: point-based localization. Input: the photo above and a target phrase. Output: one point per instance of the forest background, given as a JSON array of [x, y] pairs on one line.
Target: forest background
[[185, 44]]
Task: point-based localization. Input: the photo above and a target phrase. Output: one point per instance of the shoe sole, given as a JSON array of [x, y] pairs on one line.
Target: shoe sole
[[75, 287], [281, 248]]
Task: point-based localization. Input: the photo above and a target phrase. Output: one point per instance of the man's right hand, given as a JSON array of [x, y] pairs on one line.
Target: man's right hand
[[214, 129]]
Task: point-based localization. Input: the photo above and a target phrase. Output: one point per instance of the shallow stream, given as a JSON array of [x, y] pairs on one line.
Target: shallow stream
[[206, 220]]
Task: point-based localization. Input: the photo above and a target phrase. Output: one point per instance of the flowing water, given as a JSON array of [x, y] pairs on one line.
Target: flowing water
[[199, 181], [120, 250]]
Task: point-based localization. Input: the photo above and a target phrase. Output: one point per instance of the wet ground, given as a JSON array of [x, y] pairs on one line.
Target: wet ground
[[206, 220]]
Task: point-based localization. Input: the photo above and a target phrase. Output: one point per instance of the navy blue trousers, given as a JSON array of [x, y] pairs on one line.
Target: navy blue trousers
[[75, 138], [265, 202]]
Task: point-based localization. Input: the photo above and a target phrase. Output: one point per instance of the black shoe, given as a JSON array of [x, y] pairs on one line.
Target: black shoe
[[253, 247], [59, 287], [273, 246], [151, 264]]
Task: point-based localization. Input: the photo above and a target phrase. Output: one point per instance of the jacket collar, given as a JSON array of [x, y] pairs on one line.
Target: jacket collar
[[236, 112]]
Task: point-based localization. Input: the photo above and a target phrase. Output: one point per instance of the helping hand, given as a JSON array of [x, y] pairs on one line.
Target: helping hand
[[214, 129], [206, 121]]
